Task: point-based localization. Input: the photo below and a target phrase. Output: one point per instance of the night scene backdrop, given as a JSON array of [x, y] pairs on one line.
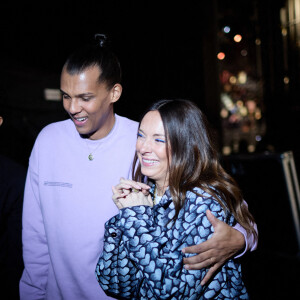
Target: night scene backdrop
[[238, 60]]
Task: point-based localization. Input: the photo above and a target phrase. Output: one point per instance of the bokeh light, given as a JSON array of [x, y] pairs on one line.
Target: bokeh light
[[226, 29], [257, 42], [232, 79], [286, 80], [244, 52], [242, 77], [237, 38], [221, 55]]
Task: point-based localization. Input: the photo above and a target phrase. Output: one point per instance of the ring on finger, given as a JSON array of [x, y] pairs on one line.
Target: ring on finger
[[135, 190]]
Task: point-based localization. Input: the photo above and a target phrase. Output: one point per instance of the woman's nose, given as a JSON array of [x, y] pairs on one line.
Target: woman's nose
[[146, 146]]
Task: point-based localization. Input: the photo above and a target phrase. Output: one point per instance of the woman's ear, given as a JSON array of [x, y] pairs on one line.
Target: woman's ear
[[116, 92], [1, 120]]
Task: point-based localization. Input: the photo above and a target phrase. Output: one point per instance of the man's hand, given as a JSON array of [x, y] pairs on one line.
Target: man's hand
[[224, 243]]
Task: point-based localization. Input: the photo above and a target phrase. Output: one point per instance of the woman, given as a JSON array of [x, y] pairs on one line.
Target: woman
[[142, 257]]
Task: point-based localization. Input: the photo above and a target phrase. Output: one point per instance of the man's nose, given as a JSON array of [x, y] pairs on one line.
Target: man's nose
[[74, 106]]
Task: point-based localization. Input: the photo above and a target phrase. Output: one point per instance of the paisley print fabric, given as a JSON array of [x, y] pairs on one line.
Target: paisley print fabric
[[142, 256]]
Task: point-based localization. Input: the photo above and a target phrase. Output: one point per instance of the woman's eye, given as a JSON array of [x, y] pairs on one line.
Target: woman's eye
[[86, 99], [139, 135], [160, 141]]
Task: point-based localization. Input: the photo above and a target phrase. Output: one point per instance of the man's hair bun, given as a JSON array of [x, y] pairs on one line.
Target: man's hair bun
[[101, 39]]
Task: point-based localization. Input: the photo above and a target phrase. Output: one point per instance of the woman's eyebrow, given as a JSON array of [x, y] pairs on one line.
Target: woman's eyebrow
[[155, 134]]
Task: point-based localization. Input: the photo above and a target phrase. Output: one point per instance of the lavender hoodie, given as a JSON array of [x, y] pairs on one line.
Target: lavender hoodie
[[67, 201]]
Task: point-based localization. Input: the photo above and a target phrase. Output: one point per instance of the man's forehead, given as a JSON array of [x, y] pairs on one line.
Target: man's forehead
[[87, 76]]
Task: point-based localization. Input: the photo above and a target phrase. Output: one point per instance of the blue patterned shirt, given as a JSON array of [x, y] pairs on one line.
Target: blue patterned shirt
[[142, 257]]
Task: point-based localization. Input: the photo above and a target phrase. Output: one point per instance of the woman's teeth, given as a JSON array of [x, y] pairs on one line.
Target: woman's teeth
[[149, 161]]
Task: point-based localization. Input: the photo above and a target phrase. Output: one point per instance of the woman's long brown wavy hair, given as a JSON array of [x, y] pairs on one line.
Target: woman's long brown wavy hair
[[194, 160]]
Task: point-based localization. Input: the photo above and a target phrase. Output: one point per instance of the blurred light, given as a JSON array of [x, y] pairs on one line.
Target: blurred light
[[258, 138], [258, 115], [257, 42], [286, 80], [240, 103], [242, 77], [226, 150], [226, 29], [224, 113], [52, 94], [251, 105], [284, 31], [244, 52], [227, 101], [232, 79], [251, 148], [243, 111], [237, 38], [221, 55], [227, 87]]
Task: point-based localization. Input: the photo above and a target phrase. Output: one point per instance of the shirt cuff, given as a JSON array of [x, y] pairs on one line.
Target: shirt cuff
[[251, 243]]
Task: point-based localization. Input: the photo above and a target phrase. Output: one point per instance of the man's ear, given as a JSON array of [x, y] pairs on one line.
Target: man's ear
[[116, 92]]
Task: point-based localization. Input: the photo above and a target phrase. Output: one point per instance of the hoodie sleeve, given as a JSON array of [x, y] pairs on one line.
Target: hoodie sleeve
[[35, 249], [250, 240]]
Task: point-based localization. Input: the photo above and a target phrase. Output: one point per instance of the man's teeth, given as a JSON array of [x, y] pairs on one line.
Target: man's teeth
[[81, 119]]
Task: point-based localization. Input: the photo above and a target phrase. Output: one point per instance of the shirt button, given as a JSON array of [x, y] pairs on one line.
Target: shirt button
[[113, 234]]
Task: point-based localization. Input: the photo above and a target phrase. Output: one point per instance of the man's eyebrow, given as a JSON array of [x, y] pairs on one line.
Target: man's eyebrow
[[85, 94], [80, 95]]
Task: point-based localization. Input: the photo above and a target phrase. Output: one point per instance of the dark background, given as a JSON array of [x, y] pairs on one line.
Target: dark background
[[167, 50], [160, 48]]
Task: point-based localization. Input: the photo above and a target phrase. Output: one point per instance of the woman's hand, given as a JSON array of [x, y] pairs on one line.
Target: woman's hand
[[135, 199], [131, 193]]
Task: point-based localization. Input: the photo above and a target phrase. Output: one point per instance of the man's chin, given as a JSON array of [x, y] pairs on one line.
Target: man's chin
[[84, 134]]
